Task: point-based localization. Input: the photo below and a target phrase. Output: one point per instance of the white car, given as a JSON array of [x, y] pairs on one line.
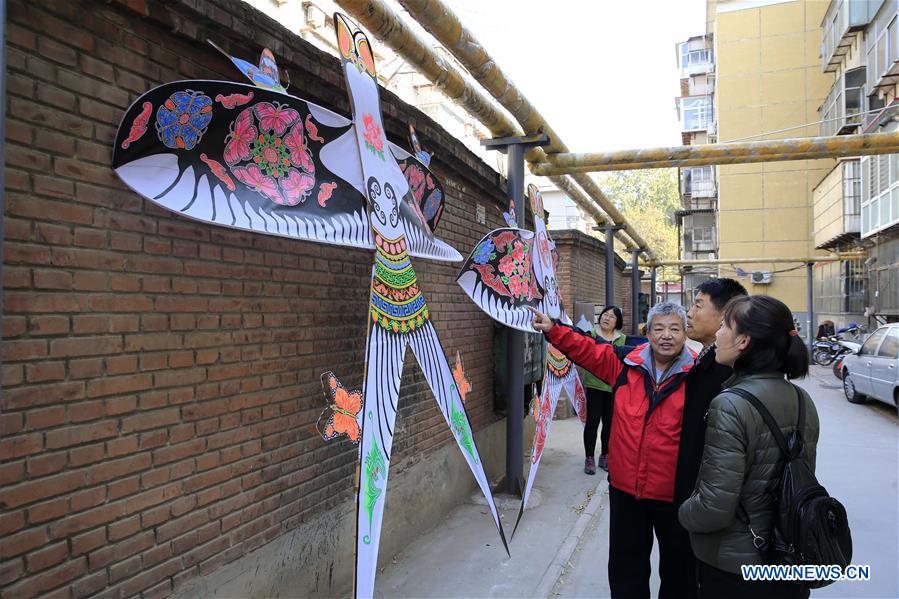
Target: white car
[[873, 371]]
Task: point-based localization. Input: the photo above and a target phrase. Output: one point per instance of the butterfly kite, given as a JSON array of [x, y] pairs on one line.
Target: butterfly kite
[[252, 157], [509, 270]]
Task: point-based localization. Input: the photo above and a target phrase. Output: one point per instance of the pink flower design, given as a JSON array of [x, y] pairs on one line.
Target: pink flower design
[[296, 187], [506, 266], [274, 117], [299, 153], [253, 178], [243, 132]]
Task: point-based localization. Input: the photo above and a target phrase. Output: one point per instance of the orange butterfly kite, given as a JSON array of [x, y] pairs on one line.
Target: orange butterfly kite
[[342, 416], [462, 382]]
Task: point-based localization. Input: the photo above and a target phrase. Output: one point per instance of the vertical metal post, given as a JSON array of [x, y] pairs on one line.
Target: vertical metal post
[[514, 147], [809, 333], [515, 347], [610, 266], [652, 286], [635, 291]]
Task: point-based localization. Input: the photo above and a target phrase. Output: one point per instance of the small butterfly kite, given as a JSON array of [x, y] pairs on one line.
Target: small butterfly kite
[[343, 415]]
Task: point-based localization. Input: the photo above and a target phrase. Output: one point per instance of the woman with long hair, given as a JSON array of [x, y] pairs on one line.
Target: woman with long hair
[[599, 393], [741, 461]]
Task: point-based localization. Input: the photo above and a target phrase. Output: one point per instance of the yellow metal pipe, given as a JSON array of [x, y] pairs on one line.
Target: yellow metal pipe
[[440, 21], [724, 153], [774, 260]]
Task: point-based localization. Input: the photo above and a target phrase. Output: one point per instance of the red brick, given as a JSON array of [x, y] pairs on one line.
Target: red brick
[[49, 510], [87, 498], [37, 395], [46, 463], [46, 557], [20, 445], [39, 584], [88, 541], [25, 349], [11, 570], [122, 488], [115, 385], [111, 469], [85, 520], [86, 454], [10, 424], [81, 434], [85, 346], [85, 368], [155, 419], [81, 412], [22, 542], [11, 472], [10, 522], [45, 371], [124, 528], [89, 585], [121, 364]]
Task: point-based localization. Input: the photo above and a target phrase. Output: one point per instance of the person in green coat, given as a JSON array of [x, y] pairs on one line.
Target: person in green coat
[[741, 462], [599, 393]]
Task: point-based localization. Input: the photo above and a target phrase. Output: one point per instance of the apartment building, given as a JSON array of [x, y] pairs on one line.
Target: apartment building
[[755, 74], [856, 204], [697, 219]]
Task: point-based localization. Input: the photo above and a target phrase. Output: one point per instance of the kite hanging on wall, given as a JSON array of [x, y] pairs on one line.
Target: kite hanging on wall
[[509, 270], [257, 159]]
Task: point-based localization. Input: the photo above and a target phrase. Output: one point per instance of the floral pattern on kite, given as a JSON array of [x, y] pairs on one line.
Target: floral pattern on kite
[[374, 138], [183, 119], [504, 263], [267, 151], [426, 191]]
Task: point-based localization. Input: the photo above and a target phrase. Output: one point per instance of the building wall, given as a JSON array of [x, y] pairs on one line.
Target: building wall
[[828, 210], [582, 273], [769, 78], [161, 377]]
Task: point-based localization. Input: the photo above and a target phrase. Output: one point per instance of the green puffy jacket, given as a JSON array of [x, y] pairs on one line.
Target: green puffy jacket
[[588, 379], [740, 462]]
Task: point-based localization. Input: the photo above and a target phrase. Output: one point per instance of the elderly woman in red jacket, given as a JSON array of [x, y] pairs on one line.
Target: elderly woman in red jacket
[[648, 389]]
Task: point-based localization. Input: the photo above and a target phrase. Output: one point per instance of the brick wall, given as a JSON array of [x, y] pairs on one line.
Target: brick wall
[[160, 377], [582, 272]]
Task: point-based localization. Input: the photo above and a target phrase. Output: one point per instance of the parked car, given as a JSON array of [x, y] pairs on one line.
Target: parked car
[[873, 371]]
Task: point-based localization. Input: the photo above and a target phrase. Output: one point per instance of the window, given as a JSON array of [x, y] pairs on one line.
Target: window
[[852, 187], [870, 346], [890, 346], [879, 201], [696, 113], [690, 60]]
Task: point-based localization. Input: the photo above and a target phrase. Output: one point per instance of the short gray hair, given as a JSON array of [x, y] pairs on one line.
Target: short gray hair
[[664, 309]]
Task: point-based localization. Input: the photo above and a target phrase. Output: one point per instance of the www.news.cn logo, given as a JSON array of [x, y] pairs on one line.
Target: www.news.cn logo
[[806, 573]]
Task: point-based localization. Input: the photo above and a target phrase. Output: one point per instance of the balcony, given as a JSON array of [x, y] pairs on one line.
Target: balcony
[[700, 231], [694, 57], [837, 205], [882, 47], [843, 109], [698, 182], [695, 113], [842, 19]]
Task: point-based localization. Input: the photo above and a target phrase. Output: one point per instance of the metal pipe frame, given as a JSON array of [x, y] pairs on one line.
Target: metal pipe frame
[[775, 260], [804, 148], [438, 19]]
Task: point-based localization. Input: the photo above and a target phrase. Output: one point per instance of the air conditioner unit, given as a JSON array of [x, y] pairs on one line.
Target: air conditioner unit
[[761, 277]]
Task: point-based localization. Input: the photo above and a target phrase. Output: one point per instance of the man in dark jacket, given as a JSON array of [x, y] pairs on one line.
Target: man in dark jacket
[[649, 396], [704, 382]]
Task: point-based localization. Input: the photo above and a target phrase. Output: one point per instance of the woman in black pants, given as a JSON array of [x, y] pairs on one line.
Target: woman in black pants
[[599, 396]]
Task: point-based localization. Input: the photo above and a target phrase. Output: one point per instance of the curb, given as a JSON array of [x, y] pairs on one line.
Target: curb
[[563, 555]]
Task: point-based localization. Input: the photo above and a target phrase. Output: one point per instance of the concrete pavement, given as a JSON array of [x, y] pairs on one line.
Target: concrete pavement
[[561, 547]]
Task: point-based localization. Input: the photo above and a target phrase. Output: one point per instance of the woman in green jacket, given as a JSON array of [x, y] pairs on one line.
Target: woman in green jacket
[[741, 462], [599, 393]]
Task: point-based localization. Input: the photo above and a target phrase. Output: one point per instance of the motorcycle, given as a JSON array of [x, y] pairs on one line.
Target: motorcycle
[[848, 348], [828, 349]]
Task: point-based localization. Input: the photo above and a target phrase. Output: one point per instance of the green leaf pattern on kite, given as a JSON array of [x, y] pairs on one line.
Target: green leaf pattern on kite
[[374, 467]]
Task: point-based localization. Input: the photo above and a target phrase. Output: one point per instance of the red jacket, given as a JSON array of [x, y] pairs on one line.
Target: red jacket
[[646, 421]]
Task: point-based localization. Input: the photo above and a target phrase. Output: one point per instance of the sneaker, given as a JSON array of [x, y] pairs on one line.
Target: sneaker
[[589, 466], [603, 462]]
